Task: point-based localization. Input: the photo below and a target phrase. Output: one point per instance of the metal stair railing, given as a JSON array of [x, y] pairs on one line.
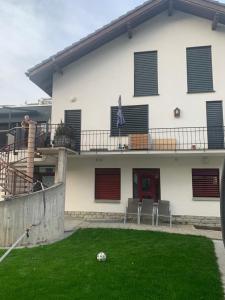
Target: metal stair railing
[[14, 152], [12, 180]]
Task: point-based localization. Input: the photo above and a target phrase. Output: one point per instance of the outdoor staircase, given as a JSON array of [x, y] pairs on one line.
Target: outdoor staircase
[[13, 167], [13, 179]]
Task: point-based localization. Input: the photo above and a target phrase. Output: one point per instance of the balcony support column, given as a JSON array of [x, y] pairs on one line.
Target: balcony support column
[[62, 165]]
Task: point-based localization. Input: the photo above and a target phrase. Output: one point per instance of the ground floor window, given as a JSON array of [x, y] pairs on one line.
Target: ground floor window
[[46, 174], [205, 183], [107, 184]]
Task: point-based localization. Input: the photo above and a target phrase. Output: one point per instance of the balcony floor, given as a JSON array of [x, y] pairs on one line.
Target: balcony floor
[[130, 153]]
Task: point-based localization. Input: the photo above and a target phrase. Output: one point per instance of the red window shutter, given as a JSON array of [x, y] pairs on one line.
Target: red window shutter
[[205, 183], [107, 184]]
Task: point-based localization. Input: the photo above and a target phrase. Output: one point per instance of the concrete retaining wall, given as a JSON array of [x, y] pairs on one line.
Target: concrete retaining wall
[[18, 213]]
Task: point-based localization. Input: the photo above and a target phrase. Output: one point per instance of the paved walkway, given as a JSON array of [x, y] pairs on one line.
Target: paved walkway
[[73, 223], [220, 254]]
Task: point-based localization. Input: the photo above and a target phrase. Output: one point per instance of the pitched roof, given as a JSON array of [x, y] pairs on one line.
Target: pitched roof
[[41, 74]]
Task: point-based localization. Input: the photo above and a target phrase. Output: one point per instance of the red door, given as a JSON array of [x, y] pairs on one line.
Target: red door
[[146, 186]]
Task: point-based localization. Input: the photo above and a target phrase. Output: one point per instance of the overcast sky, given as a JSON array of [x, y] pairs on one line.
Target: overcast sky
[[32, 30]]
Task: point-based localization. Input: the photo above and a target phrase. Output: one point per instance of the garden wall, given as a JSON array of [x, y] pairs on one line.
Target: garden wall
[[43, 209]]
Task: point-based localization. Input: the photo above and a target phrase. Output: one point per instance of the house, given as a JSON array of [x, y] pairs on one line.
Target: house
[[166, 60]]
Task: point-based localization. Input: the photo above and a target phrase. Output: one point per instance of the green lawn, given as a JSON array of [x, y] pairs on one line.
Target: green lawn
[[140, 265]]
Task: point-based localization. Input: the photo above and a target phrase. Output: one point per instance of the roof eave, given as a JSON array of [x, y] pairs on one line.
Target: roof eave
[[42, 73]]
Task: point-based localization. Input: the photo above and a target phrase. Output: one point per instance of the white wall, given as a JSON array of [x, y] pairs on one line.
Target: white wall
[[96, 80], [175, 176]]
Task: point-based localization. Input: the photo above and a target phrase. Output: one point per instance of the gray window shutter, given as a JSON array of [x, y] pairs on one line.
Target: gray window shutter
[[136, 118], [215, 127], [145, 73], [73, 120], [199, 69]]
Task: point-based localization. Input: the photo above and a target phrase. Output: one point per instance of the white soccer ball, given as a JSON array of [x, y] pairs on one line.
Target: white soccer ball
[[101, 256]]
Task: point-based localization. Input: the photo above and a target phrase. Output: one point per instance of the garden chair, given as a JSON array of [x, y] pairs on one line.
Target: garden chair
[[164, 211], [147, 210], [132, 209]]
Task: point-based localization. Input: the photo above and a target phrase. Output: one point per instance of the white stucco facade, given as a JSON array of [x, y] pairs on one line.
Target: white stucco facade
[[175, 179], [93, 84], [96, 80]]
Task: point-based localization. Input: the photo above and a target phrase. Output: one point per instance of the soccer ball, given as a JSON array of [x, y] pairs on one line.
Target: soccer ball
[[101, 256]]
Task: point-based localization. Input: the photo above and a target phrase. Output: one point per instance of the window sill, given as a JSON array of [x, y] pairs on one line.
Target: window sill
[[108, 201], [205, 199], [206, 92], [135, 96]]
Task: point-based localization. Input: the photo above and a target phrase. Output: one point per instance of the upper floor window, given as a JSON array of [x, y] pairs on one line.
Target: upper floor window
[[136, 118], [145, 73], [199, 69]]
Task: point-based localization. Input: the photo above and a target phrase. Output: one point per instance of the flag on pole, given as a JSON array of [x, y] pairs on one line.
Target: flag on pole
[[120, 118]]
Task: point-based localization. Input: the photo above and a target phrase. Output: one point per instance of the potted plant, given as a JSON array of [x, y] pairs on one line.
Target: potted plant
[[63, 136]]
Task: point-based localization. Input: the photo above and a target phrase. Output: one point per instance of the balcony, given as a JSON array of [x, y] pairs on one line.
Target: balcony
[[156, 140]]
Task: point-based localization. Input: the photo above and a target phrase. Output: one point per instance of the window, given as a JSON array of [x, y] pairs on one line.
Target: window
[[73, 120], [46, 174], [107, 184], [205, 183], [215, 129], [136, 118], [145, 73], [199, 69]]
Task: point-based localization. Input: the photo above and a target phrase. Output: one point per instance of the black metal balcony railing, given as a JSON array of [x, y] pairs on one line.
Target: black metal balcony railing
[[156, 139], [57, 135], [47, 135]]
